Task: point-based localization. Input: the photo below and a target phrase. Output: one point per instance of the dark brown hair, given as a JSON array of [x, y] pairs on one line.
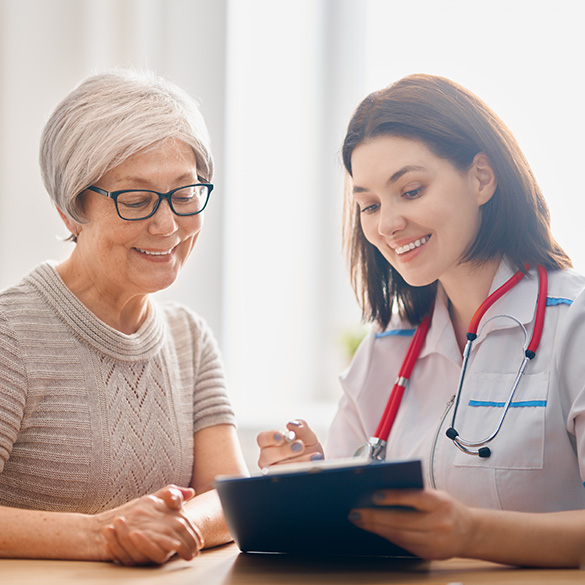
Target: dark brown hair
[[455, 125]]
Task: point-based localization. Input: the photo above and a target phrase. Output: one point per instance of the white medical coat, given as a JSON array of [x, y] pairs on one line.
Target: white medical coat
[[538, 457]]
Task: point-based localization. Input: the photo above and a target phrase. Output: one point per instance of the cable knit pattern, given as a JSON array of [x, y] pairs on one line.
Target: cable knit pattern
[[90, 417]]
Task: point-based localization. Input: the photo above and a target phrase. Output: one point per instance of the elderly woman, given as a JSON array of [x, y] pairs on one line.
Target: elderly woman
[[109, 401]]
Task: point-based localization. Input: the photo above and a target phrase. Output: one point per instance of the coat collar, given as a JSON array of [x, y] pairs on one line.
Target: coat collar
[[519, 302]]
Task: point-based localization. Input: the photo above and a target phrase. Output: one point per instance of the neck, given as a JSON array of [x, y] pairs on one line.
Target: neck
[[121, 311], [466, 290]]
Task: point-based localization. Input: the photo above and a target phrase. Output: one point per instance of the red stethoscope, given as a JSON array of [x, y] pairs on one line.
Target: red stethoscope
[[375, 448]]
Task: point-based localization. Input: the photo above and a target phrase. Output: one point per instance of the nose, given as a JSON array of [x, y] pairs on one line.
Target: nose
[[164, 221], [391, 220]]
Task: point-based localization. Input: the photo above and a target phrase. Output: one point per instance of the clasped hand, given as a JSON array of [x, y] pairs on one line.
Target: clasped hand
[[151, 529]]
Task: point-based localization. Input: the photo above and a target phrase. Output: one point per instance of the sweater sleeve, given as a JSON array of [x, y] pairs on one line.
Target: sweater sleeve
[[12, 390], [211, 405]]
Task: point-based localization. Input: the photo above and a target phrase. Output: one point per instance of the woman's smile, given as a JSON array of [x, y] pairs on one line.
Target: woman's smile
[[420, 211], [400, 251], [115, 260]]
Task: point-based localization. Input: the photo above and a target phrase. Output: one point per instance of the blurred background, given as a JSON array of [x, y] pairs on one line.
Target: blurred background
[[277, 81]]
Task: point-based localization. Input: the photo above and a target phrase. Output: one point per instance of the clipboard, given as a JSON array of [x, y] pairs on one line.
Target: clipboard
[[303, 510]]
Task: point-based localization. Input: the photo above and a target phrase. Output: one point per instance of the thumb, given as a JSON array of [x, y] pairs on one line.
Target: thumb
[[175, 496]]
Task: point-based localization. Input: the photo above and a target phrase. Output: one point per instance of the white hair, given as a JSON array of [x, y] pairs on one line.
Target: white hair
[[109, 117]]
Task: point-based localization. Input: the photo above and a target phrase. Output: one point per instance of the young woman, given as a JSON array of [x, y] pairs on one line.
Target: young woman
[[478, 314]]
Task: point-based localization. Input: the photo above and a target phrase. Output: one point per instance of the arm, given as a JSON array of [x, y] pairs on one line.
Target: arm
[[216, 452], [439, 527], [61, 535]]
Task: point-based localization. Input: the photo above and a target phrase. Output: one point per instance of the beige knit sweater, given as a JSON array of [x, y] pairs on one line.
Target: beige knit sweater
[[90, 417]]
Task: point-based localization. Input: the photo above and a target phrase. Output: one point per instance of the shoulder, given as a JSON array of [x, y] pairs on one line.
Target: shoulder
[[566, 315], [565, 286], [566, 294], [379, 354], [20, 302], [186, 326]]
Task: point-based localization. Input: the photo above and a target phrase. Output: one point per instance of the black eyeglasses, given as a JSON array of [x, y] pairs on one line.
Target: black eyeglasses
[[137, 204]]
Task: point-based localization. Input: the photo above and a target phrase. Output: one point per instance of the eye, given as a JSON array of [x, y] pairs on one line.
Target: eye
[[413, 193], [370, 208], [135, 199]]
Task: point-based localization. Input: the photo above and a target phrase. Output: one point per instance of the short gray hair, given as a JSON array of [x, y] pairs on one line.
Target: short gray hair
[[109, 117]]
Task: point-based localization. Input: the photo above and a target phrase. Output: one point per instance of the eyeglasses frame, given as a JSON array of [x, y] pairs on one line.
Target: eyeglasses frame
[[115, 194]]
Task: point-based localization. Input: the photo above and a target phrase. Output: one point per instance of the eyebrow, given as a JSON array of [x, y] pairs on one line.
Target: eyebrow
[[399, 173], [146, 182]]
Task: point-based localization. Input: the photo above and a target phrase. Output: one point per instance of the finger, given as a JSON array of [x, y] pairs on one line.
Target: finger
[[411, 536], [174, 497], [189, 537], [421, 500], [117, 553], [270, 439], [284, 453], [303, 432], [122, 533], [384, 527], [157, 549]]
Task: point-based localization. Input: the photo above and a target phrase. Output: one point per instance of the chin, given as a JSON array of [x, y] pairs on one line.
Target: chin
[[156, 283], [419, 284], [416, 280]]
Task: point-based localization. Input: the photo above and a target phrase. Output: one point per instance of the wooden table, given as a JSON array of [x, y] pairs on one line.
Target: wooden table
[[226, 566]]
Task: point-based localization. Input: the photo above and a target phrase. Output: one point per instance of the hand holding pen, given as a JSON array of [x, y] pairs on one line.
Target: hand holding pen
[[295, 444]]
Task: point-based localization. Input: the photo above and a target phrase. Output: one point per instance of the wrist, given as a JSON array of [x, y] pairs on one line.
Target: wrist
[[472, 543], [93, 530]]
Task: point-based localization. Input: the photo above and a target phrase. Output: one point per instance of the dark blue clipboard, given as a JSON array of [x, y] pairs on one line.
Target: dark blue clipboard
[[305, 512]]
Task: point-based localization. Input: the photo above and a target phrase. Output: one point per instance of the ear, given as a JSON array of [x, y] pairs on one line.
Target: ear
[[484, 178], [71, 225]]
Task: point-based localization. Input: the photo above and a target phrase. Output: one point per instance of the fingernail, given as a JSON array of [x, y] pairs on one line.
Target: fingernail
[[278, 436], [316, 457], [295, 423], [296, 447], [378, 497], [354, 517]]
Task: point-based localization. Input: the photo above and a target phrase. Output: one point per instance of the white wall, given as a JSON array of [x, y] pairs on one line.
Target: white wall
[[46, 47], [277, 81]]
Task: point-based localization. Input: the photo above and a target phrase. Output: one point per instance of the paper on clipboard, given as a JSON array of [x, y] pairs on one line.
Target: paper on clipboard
[[304, 509]]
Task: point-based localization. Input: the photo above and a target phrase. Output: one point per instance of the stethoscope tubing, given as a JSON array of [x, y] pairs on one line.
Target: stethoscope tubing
[[529, 354], [377, 442]]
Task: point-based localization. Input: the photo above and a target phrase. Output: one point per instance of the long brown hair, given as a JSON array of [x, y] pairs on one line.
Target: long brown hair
[[455, 125]]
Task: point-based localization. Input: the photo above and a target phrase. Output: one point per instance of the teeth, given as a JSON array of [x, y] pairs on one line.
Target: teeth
[[412, 245], [154, 253]]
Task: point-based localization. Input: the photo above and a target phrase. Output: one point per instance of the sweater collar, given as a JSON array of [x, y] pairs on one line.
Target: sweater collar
[[141, 345]]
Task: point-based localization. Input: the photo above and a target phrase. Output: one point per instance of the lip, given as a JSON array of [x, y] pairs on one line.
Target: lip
[[155, 255], [407, 246]]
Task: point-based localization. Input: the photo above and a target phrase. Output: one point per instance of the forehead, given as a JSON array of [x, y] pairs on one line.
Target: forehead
[[161, 162], [387, 158], [391, 151]]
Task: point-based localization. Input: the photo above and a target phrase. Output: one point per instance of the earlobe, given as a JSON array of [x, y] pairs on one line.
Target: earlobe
[[71, 226], [485, 178]]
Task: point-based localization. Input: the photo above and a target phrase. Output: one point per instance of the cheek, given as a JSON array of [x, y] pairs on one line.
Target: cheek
[[369, 228], [192, 230]]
